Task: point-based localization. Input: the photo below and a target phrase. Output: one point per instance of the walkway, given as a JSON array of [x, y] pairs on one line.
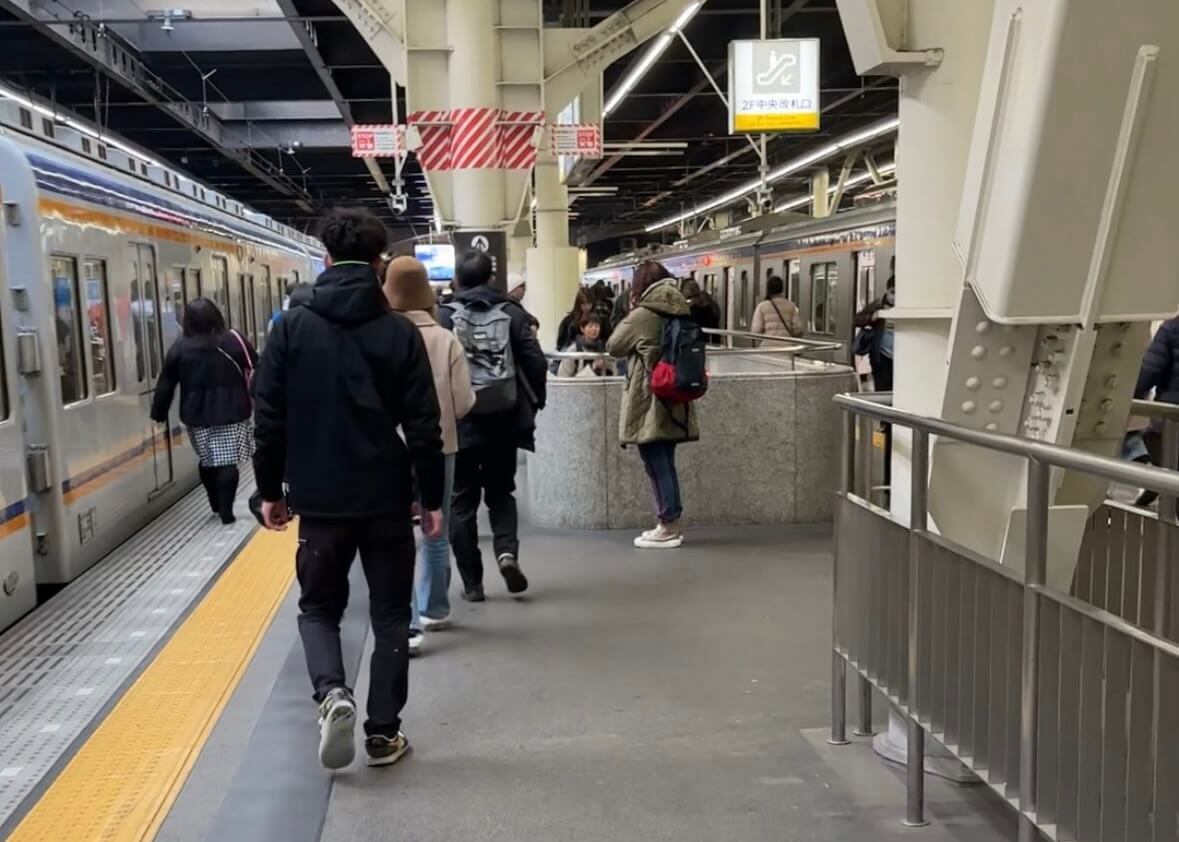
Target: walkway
[[635, 696]]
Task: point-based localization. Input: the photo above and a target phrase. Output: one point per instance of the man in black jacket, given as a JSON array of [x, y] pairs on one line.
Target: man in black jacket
[[488, 443], [1160, 373], [338, 377]]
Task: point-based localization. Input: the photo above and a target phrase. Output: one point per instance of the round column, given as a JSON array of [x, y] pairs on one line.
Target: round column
[[553, 266], [473, 71]]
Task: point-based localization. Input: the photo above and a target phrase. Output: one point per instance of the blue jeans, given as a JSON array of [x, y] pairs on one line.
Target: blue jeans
[[659, 460], [433, 580]]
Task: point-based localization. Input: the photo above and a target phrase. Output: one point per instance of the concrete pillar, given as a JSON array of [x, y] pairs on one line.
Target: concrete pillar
[[472, 74], [820, 198], [518, 260], [937, 112], [553, 265]]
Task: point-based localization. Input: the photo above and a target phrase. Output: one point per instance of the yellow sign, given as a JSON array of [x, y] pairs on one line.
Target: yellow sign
[[757, 123]]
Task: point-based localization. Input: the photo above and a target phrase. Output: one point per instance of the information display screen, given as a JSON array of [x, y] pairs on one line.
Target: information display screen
[[439, 260]]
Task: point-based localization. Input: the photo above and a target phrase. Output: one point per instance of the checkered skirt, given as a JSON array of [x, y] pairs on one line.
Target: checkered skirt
[[229, 444]]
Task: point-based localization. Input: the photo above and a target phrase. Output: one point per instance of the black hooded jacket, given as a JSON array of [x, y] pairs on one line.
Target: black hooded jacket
[[338, 376], [516, 427]]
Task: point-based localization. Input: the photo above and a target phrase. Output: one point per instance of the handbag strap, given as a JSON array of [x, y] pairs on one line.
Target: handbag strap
[[232, 362], [785, 324], [241, 343]]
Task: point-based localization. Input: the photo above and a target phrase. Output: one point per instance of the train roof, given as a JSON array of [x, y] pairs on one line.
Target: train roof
[[790, 228], [65, 146]]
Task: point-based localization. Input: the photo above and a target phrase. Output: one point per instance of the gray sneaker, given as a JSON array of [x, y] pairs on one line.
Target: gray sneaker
[[337, 724]]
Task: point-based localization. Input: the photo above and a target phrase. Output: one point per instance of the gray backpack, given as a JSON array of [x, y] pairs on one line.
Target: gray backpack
[[486, 335]]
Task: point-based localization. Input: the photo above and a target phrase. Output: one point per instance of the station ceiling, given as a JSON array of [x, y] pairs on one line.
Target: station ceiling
[[274, 85]]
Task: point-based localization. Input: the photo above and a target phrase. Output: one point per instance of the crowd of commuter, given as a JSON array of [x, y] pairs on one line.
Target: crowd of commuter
[[375, 405]]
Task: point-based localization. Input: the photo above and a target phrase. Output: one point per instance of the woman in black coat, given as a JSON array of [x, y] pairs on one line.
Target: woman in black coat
[[213, 367]]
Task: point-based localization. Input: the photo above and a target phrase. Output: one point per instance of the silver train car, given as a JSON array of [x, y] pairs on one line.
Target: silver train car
[[832, 268], [99, 252]]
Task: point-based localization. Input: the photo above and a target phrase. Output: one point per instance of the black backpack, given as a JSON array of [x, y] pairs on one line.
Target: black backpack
[[681, 375]]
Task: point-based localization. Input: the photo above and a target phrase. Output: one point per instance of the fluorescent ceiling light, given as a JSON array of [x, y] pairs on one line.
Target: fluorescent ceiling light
[[854, 181], [650, 57], [789, 168]]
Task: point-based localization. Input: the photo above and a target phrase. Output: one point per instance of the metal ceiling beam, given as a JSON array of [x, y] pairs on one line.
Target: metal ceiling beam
[[98, 47], [304, 32], [745, 149], [666, 114]]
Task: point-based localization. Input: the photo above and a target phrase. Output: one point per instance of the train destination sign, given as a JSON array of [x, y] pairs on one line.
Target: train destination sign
[[774, 85]]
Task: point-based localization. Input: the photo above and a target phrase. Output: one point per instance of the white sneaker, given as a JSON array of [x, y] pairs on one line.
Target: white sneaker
[[430, 624], [666, 536], [416, 639], [337, 723]]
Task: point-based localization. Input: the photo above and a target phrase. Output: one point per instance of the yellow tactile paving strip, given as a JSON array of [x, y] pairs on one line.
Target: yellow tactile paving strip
[[122, 782]]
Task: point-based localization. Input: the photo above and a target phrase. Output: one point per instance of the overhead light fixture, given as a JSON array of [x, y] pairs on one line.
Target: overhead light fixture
[[854, 181], [168, 17], [649, 58], [844, 143]]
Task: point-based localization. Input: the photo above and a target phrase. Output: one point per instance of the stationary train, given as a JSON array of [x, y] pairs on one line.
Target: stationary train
[[832, 267], [100, 249]]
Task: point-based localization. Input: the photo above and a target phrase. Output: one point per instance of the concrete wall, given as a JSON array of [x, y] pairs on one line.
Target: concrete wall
[[768, 454]]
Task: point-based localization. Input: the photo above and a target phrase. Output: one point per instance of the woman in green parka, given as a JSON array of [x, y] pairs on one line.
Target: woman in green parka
[[654, 426]]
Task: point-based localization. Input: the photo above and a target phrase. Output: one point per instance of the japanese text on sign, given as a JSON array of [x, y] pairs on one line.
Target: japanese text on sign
[[378, 141], [774, 85], [583, 140]]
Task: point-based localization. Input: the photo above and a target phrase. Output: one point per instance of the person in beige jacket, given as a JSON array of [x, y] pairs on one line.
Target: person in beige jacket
[[407, 287], [777, 315]]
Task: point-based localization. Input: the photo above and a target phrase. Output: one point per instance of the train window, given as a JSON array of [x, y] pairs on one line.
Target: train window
[[237, 305], [219, 291], [824, 279], [98, 317], [865, 279], [69, 328], [102, 151], [793, 279], [192, 288], [177, 294], [47, 127], [263, 297], [251, 321], [86, 145], [26, 119], [743, 315]]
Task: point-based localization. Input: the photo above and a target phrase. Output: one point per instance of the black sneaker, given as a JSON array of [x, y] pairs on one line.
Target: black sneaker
[[509, 568], [474, 594], [385, 751]]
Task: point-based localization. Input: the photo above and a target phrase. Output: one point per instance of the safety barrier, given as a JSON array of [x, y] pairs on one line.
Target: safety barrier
[[1064, 703]]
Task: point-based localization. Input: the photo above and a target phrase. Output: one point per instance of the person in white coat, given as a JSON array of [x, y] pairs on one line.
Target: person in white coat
[[407, 286]]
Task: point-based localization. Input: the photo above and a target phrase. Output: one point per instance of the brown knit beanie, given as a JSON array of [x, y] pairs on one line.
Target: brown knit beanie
[[407, 285]]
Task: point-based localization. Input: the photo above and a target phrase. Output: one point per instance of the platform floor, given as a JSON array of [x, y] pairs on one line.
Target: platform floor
[[633, 696]]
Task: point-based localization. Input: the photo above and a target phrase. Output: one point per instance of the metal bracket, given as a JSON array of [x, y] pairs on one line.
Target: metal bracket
[[12, 214], [40, 471], [28, 352]]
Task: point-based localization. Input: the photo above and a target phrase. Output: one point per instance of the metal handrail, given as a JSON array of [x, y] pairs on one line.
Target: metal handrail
[[712, 352], [813, 344], [879, 406], [1039, 458], [1155, 409]]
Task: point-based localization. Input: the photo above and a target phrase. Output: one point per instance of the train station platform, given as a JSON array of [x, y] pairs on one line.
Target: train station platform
[[631, 696]]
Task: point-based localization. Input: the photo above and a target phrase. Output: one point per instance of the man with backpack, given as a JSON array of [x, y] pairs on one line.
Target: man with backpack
[[508, 374], [665, 375], [339, 375]]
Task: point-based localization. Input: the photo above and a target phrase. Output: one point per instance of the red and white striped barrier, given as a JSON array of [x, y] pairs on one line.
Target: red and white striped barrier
[[477, 138]]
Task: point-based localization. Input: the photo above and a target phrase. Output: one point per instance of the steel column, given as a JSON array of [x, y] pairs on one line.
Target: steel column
[[847, 481], [1035, 573], [918, 523]]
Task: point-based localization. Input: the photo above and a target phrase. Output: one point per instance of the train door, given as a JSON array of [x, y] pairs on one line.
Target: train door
[[827, 280], [146, 313]]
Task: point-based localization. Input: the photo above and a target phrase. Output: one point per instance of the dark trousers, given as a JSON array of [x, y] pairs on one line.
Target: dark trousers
[[490, 473], [326, 551], [221, 488], [659, 460]]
